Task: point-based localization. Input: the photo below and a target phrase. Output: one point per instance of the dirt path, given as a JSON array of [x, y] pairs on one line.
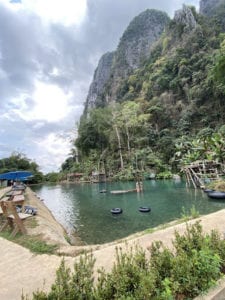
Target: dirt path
[[20, 270]]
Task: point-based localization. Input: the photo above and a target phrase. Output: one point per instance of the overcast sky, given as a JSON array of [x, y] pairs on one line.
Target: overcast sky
[[49, 50]]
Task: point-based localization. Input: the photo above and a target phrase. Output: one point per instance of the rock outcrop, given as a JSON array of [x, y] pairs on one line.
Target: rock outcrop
[[185, 18], [101, 76], [207, 7], [134, 46], [137, 40]]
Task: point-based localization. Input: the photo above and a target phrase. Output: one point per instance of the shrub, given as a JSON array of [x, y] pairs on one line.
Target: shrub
[[164, 175], [129, 279], [194, 272], [67, 286], [194, 265]]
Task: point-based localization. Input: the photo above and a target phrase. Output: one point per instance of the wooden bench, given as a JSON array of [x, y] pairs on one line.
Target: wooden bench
[[13, 219], [15, 225], [18, 198]]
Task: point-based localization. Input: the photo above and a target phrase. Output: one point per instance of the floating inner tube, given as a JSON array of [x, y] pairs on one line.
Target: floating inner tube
[[103, 191], [216, 195], [144, 209], [208, 191], [116, 211]]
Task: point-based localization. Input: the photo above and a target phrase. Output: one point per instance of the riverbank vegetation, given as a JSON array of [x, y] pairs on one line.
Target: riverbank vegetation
[[34, 243], [190, 269], [166, 113], [19, 162]]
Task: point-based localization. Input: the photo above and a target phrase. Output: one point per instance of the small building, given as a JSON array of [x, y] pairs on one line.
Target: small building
[[74, 177], [98, 177], [203, 171]]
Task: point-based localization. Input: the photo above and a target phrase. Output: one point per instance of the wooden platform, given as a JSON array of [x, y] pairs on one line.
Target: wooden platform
[[199, 172], [123, 191]]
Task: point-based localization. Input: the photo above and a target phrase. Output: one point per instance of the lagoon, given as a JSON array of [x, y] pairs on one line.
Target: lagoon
[[82, 207]]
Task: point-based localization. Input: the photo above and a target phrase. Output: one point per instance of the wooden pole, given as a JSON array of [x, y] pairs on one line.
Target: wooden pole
[[192, 178]]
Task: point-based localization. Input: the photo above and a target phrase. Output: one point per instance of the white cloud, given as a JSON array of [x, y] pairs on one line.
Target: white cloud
[[66, 12], [49, 103], [55, 146], [46, 65]]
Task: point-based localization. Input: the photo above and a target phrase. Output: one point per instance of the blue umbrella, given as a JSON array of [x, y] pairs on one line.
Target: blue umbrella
[[16, 175]]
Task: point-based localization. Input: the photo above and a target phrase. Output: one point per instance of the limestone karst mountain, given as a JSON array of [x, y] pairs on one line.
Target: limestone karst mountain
[[207, 7], [133, 48]]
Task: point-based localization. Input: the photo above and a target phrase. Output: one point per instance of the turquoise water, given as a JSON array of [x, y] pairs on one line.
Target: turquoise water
[[82, 207]]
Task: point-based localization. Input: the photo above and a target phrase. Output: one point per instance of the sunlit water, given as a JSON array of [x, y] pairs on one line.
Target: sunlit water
[[82, 207]]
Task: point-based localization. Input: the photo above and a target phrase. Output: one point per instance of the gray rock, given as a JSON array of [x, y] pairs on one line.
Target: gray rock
[[101, 76], [138, 38], [207, 7], [134, 46], [186, 18]]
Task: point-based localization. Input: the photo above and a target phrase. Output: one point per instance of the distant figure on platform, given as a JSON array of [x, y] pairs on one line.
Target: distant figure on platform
[[139, 186]]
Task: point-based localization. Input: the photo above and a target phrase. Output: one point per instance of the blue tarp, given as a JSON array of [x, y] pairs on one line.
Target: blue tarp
[[16, 175]]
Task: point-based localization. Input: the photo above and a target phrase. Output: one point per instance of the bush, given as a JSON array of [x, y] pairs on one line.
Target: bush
[[67, 286], [194, 265], [164, 175], [194, 272], [130, 277]]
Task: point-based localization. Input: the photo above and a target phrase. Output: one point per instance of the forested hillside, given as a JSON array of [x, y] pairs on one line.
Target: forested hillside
[[167, 110]]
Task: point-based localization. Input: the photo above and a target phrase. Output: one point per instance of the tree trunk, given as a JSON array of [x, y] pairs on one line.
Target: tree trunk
[[128, 139], [120, 149]]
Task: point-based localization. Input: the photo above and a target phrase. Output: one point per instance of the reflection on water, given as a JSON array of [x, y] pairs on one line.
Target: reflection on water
[[82, 207]]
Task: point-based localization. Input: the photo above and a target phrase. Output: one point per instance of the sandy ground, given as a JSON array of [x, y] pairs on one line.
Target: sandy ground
[[22, 271]]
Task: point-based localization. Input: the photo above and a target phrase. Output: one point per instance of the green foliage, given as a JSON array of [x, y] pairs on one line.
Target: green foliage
[[172, 104], [129, 279], [52, 177], [208, 146], [193, 214], [33, 243], [125, 174], [195, 272], [219, 69], [93, 130], [77, 285], [164, 175], [191, 268], [19, 162]]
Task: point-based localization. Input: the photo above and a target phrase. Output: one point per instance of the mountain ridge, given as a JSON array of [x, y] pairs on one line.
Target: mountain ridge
[[173, 99], [134, 47]]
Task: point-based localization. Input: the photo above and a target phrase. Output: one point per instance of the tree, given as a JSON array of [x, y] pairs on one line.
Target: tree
[[219, 70], [19, 162], [93, 130]]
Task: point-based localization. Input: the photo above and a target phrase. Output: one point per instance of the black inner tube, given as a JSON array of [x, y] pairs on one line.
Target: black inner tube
[[216, 195], [116, 210], [144, 209]]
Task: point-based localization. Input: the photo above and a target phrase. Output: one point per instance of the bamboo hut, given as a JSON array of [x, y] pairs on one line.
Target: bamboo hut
[[200, 172]]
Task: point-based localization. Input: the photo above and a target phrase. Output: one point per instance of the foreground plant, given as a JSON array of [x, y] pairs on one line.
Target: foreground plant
[[191, 268]]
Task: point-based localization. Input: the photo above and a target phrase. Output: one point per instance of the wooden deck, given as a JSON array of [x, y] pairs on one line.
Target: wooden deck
[[200, 172], [123, 191]]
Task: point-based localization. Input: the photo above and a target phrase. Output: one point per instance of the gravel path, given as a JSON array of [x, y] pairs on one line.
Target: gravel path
[[21, 270]]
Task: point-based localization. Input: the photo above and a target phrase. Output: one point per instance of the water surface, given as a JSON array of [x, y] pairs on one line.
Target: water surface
[[82, 207]]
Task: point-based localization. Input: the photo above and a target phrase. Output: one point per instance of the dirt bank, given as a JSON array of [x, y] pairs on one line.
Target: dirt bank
[[46, 225]]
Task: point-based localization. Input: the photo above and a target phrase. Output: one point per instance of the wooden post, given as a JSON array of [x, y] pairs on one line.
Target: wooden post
[[192, 178]]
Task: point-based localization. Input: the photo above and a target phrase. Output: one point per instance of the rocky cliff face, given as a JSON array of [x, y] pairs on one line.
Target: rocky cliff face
[[138, 38], [133, 48], [207, 7], [185, 18], [101, 76]]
